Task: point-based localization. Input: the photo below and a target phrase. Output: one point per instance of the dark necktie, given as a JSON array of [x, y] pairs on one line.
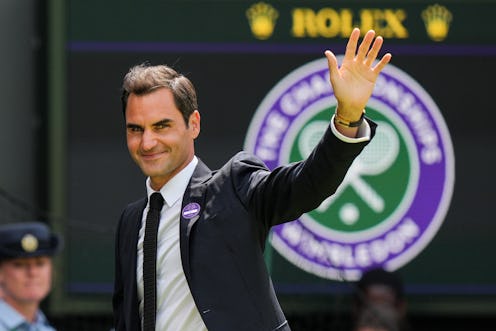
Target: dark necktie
[[150, 262]]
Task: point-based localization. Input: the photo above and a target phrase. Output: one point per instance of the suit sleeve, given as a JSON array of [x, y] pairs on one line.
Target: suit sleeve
[[117, 298], [283, 194]]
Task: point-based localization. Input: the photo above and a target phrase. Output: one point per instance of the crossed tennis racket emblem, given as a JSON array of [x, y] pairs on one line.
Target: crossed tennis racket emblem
[[375, 159]]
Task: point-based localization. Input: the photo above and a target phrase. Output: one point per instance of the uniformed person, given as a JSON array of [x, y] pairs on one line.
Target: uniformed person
[[26, 251]]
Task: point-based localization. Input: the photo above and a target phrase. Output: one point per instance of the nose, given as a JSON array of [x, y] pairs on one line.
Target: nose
[[148, 140], [31, 269]]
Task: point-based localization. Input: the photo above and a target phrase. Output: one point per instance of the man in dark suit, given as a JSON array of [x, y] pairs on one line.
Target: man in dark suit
[[210, 272]]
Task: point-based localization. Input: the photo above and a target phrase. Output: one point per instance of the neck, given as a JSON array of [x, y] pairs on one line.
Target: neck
[[157, 182]]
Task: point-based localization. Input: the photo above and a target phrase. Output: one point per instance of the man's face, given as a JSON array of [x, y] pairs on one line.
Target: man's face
[[158, 139], [381, 294], [26, 280]]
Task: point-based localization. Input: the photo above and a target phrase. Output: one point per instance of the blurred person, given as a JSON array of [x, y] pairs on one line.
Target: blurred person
[[209, 267], [377, 318], [26, 251], [379, 301]]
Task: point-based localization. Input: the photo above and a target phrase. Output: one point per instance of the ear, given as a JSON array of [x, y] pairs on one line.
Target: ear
[[194, 124]]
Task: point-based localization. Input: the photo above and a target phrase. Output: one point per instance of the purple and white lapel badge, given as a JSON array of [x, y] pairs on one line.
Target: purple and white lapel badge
[[191, 210]]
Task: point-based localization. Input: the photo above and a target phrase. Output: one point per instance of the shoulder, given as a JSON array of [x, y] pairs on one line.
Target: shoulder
[[239, 168], [244, 170], [246, 160], [46, 327], [241, 162], [9, 318], [137, 205], [43, 324], [131, 212], [243, 166]]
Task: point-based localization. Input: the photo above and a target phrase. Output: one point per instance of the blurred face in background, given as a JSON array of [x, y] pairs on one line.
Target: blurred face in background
[[25, 281]]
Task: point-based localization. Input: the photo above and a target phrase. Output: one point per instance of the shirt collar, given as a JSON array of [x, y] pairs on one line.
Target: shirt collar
[[174, 189], [12, 319], [9, 316]]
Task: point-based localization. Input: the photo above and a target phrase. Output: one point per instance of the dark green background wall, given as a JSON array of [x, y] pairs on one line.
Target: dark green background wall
[[211, 42]]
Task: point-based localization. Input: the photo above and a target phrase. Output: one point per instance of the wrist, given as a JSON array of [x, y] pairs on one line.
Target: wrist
[[348, 122]]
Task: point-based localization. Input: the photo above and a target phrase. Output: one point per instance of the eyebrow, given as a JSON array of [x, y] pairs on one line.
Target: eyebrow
[[162, 122], [159, 123]]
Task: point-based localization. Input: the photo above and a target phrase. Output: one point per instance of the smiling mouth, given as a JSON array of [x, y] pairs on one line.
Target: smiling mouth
[[152, 156]]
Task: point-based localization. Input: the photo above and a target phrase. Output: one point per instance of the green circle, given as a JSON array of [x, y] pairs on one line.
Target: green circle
[[398, 173]]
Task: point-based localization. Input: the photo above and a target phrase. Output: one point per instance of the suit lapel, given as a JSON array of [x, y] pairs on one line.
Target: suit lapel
[[134, 217], [193, 205]]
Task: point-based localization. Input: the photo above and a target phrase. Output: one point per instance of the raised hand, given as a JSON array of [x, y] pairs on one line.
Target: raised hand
[[353, 82]]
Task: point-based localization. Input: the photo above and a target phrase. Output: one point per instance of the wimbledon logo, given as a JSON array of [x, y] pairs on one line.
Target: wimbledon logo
[[397, 192]]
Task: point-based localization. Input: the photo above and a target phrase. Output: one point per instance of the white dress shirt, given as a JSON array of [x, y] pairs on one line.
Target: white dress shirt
[[176, 309]]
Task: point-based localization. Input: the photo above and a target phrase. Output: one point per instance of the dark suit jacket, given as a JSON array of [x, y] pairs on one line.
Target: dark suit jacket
[[222, 248]]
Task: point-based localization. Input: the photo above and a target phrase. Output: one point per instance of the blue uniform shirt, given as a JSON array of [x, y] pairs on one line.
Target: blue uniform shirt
[[11, 320]]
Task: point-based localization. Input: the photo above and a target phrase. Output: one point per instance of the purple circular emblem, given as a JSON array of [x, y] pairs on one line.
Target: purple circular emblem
[[191, 210], [397, 192]]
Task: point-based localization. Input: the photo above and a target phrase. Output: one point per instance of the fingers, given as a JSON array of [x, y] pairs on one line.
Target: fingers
[[382, 63], [374, 51], [351, 46], [331, 59], [366, 53], [365, 45], [332, 62]]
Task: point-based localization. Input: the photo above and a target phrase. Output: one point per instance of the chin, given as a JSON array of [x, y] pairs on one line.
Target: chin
[[158, 171], [36, 294], [35, 297]]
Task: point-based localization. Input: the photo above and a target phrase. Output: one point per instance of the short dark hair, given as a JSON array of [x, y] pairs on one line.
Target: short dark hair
[[379, 276], [145, 78]]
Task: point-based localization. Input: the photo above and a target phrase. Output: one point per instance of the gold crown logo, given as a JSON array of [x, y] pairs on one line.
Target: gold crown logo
[[437, 21], [262, 19]]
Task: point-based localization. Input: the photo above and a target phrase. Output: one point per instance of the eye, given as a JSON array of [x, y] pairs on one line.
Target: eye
[[42, 262], [162, 125], [134, 129], [18, 264]]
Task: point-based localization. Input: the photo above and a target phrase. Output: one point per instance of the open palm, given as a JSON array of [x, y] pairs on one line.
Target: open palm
[[353, 82]]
